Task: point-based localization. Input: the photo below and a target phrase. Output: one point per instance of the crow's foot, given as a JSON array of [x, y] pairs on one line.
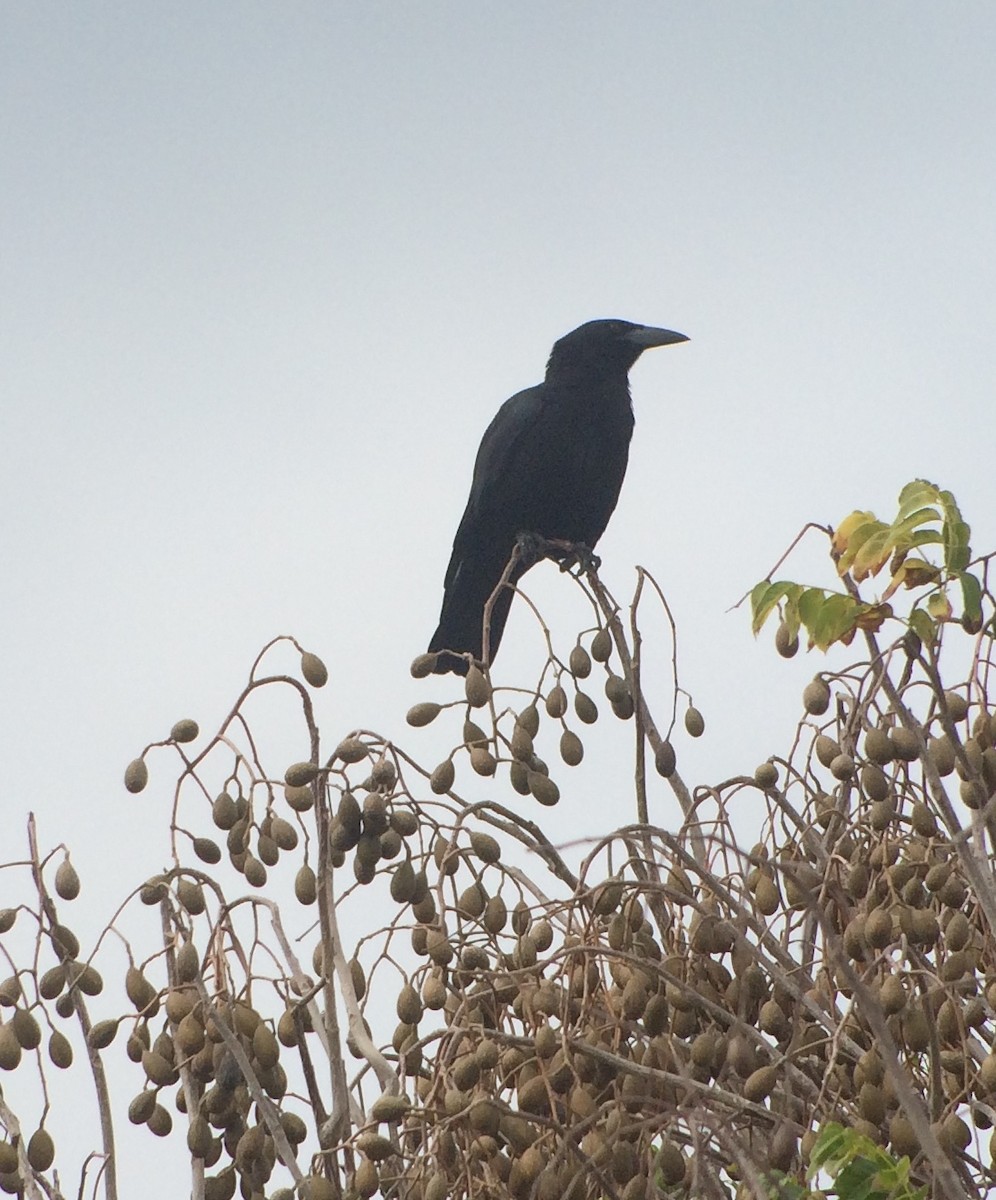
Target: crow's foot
[[575, 557], [579, 559]]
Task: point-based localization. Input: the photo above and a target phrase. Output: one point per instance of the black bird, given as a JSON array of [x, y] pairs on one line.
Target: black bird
[[550, 466]]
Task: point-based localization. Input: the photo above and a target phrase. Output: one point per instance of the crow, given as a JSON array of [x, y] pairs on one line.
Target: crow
[[549, 469]]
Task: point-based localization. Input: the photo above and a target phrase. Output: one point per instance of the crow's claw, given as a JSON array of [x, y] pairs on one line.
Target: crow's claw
[[575, 557], [580, 559]]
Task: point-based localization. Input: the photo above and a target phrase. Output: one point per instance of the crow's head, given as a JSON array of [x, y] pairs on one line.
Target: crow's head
[[599, 349]]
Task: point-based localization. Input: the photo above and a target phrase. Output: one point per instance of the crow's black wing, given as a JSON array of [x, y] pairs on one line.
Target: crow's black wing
[[504, 476]]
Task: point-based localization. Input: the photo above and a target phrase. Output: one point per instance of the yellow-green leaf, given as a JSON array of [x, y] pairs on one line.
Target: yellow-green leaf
[[939, 606], [873, 553]]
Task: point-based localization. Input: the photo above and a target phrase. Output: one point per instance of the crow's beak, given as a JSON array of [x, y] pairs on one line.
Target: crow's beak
[[647, 336]]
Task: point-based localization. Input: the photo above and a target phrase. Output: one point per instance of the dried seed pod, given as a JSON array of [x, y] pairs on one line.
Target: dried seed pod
[[871, 1103], [10, 1048], [26, 1029], [305, 885], [483, 761], [556, 702], [301, 799], [485, 847], [571, 748], [585, 708], [314, 670], [390, 844], [601, 646], [766, 775], [878, 747], [957, 932], [265, 1048], [579, 662], [518, 774], [224, 811], [664, 760], [434, 992], [300, 774], [199, 1137], [826, 749], [67, 882], [766, 895], [283, 833], [902, 1139], [905, 743], [187, 963], [84, 976], [190, 1036], [495, 915], [973, 793], [892, 996], [254, 871], [816, 696], [136, 775], [543, 789], [476, 687], [60, 1051], [786, 641], [471, 901], [49, 985], [41, 1150], [191, 896], [140, 1109], [207, 850], [670, 1163], [878, 930], [366, 1179], [423, 666], [158, 1069], [441, 779], [184, 731], [438, 947], [351, 750], [140, 992], [760, 1084], [694, 722], [316, 1187], [423, 713], [874, 782], [389, 1107], [521, 743], [358, 978]]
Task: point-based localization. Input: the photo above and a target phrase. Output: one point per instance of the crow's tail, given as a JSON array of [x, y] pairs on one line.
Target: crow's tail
[[461, 620]]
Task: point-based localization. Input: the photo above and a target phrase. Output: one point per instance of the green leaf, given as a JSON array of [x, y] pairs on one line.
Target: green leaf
[[917, 494], [763, 598], [905, 526], [957, 535], [810, 603], [926, 537], [971, 591], [830, 1149], [837, 617], [923, 626]]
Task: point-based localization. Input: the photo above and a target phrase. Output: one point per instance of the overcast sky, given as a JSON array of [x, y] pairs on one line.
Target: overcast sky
[[267, 271]]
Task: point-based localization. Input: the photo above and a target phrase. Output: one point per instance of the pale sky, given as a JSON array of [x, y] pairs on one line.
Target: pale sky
[[269, 270]]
